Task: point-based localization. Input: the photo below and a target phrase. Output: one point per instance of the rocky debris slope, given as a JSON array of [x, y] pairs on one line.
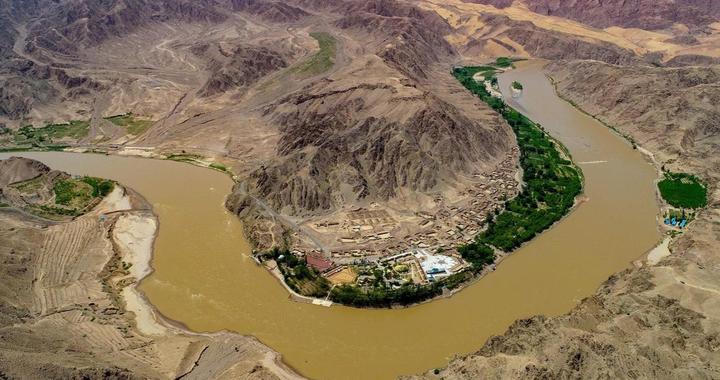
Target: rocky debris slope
[[660, 320], [381, 127], [242, 66], [16, 169], [64, 311]]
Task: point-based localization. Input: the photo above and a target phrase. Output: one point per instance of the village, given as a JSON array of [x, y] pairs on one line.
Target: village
[[369, 244]]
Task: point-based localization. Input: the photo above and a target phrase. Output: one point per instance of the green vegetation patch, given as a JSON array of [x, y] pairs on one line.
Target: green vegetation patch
[[76, 130], [69, 192], [101, 187], [683, 190], [297, 274], [77, 194], [504, 62], [132, 125], [324, 59], [551, 181], [382, 296], [517, 85], [220, 167]]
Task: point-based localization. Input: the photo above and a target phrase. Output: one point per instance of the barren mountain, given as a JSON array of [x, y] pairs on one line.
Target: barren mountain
[[642, 14]]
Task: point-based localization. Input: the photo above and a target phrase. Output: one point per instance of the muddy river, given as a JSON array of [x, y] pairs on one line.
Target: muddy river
[[205, 278]]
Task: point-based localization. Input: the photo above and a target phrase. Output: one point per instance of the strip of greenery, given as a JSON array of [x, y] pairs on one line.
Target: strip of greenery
[[324, 59], [220, 167], [683, 190], [75, 129], [504, 62], [132, 125], [184, 157], [407, 294], [551, 181]]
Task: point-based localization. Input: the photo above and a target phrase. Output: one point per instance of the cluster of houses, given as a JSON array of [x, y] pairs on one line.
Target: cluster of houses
[[448, 226]]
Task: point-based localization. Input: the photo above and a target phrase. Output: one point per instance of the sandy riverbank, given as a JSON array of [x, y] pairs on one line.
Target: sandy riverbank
[[133, 235]]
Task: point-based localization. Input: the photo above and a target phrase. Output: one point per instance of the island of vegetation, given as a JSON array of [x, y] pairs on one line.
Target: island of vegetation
[[517, 85], [551, 183]]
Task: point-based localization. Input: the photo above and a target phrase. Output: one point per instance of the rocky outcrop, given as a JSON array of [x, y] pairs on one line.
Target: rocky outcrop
[[542, 43], [236, 69], [18, 169], [342, 142], [275, 11], [407, 38], [90, 22]]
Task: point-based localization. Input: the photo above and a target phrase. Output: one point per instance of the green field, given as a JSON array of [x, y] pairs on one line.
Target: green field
[[324, 59], [551, 181], [75, 129], [683, 190], [77, 194], [132, 125]]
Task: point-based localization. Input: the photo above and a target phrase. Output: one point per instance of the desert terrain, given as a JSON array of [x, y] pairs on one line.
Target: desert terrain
[[348, 139]]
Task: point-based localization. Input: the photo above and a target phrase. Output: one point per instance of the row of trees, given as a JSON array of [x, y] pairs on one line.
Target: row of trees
[[551, 182]]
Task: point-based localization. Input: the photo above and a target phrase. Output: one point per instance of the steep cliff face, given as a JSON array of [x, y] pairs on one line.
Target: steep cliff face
[[548, 44]]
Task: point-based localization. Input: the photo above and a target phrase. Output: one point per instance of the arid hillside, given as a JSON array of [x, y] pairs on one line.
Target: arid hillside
[[670, 111], [619, 32], [642, 14]]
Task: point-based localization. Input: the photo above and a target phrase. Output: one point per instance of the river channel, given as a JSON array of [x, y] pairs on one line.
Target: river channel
[[205, 278]]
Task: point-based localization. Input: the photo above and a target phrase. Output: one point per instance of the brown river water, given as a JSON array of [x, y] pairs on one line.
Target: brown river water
[[205, 279]]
